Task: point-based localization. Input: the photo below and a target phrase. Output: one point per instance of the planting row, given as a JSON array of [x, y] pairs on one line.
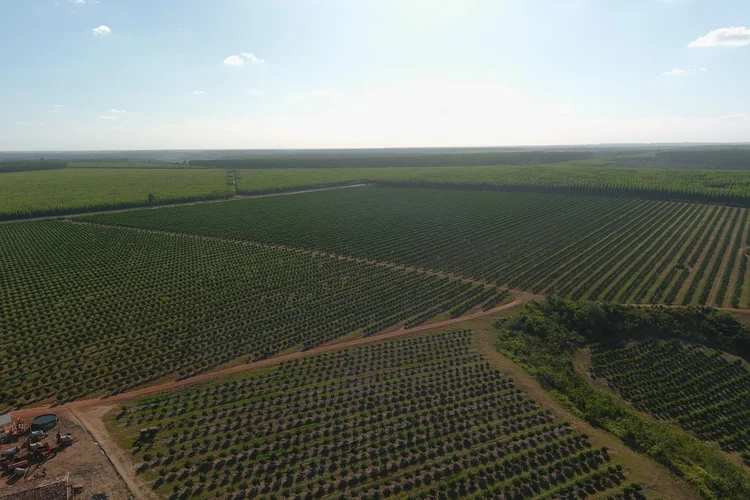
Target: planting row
[[426, 417], [698, 388], [614, 249], [592, 177], [87, 309]]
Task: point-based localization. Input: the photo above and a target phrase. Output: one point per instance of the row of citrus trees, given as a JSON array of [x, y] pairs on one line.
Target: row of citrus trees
[[625, 250], [88, 309], [688, 384], [51, 188], [69, 190], [416, 418], [705, 186]]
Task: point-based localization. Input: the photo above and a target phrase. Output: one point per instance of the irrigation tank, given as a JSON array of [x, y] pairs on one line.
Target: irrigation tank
[[44, 422]]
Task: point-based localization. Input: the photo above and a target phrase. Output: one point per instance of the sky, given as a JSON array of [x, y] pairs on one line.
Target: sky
[[200, 74]]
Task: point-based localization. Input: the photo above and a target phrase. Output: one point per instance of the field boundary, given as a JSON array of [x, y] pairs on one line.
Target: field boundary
[[182, 203], [643, 194], [320, 253], [30, 413], [520, 298], [737, 232], [132, 484]]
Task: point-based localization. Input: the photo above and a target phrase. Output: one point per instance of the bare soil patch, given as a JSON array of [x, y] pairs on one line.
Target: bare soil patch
[[83, 460]]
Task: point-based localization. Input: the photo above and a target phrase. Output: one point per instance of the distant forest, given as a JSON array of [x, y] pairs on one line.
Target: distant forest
[[25, 166], [415, 160]]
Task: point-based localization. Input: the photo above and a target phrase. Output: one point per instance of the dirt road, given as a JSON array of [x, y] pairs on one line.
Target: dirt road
[[278, 246], [89, 413], [80, 405], [520, 298], [92, 420], [182, 204]]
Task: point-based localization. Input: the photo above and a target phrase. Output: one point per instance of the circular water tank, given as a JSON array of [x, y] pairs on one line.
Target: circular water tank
[[44, 422]]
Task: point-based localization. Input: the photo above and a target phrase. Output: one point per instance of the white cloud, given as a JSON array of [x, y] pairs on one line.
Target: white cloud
[[233, 61], [57, 105], [78, 2], [101, 30], [108, 117], [680, 72], [735, 36], [427, 113], [331, 94], [252, 58], [732, 118], [255, 92], [239, 60], [116, 111], [199, 92]]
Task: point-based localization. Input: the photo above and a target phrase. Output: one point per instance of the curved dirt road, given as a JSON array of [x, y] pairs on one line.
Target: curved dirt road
[[520, 298], [184, 203], [90, 412], [30, 413]]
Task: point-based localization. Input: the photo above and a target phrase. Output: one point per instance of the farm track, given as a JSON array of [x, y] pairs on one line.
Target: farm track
[[387, 265], [93, 423], [520, 298], [181, 204], [84, 404], [90, 413]]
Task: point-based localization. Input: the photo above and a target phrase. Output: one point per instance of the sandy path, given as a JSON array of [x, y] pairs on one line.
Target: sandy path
[[639, 467], [182, 204], [92, 421], [520, 298], [86, 404], [89, 414]]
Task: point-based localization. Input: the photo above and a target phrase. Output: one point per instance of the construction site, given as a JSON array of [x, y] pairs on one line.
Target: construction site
[[53, 458]]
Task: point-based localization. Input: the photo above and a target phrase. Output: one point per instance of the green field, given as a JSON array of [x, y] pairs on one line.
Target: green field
[[421, 418], [24, 166], [688, 384], [551, 341], [127, 164], [379, 158], [615, 249], [88, 310], [589, 178], [78, 187], [68, 190], [256, 181]]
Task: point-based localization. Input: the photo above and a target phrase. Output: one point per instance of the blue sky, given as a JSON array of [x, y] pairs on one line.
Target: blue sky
[[156, 74]]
